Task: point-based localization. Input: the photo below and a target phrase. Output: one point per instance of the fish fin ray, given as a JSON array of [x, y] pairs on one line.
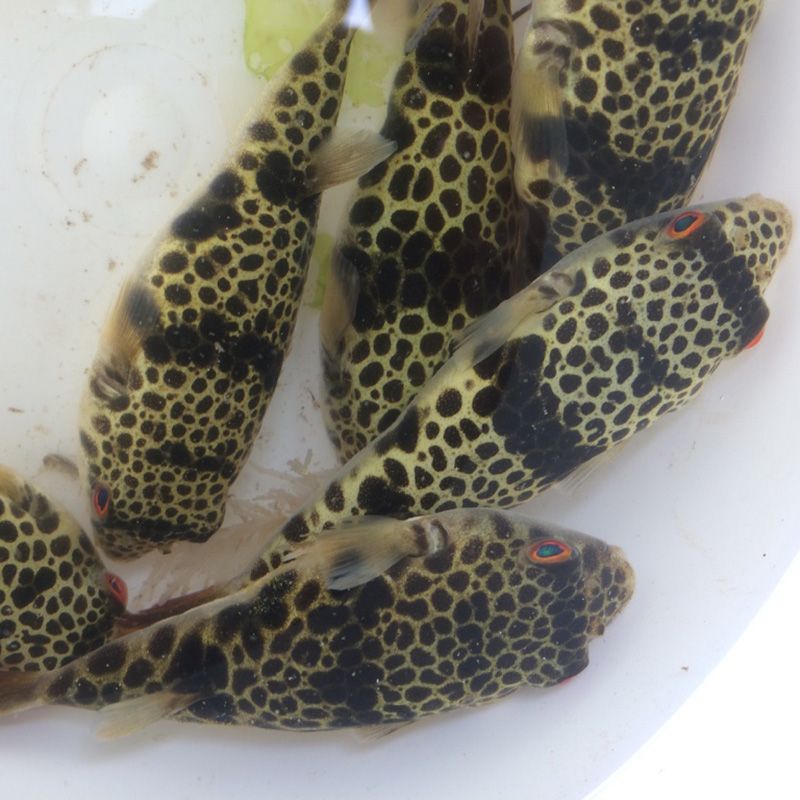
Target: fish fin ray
[[576, 479], [339, 304], [355, 553], [133, 317], [370, 734], [14, 487], [345, 156], [488, 333], [474, 15], [19, 691], [131, 716], [538, 126], [429, 14]]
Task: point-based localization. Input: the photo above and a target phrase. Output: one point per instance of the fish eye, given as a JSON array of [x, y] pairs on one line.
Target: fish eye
[[117, 587], [101, 501], [685, 224], [549, 551]]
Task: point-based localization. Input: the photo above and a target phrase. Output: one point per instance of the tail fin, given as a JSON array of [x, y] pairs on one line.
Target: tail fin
[[19, 691]]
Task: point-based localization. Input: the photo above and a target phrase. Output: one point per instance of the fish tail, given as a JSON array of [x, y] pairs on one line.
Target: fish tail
[[538, 124], [474, 15], [19, 691]]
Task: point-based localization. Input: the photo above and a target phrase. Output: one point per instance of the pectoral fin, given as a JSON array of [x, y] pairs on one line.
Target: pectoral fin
[[357, 552], [345, 156], [508, 320]]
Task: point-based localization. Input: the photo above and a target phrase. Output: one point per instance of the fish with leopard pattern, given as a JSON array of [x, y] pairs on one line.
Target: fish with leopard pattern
[[192, 350], [622, 332], [618, 105], [377, 623], [431, 233], [57, 600]]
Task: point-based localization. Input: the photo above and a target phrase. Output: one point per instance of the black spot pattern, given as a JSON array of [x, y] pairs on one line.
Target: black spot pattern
[[646, 86], [431, 231], [572, 381], [55, 603], [169, 424], [404, 645]]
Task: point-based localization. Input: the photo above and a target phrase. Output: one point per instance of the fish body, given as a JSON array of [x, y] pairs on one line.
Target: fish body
[[57, 600], [192, 351], [621, 332], [618, 106], [430, 238], [363, 628]]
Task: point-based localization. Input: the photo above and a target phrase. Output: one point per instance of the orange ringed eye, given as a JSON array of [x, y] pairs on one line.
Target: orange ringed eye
[[117, 587], [685, 224], [755, 340], [549, 551], [101, 501]]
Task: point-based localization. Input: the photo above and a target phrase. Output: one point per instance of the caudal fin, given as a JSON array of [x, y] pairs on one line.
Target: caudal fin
[[19, 691]]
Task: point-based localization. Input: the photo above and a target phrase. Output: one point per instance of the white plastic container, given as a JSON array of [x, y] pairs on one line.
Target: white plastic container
[[111, 112]]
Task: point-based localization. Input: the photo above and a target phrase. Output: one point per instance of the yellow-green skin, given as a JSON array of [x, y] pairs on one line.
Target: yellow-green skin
[[468, 623], [194, 348], [644, 88], [55, 602], [432, 231], [620, 333]]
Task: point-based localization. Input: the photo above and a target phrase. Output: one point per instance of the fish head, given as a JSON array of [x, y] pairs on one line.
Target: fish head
[[57, 571], [707, 267], [130, 519], [582, 582]]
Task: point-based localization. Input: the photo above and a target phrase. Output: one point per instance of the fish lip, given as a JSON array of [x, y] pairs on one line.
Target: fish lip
[[138, 536]]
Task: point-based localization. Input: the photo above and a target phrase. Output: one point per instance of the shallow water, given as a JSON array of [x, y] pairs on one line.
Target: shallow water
[[112, 113]]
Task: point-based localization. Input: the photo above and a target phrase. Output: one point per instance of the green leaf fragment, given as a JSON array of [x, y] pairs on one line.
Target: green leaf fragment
[[321, 261], [274, 30]]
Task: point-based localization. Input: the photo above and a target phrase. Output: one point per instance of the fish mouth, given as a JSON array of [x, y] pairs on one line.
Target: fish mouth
[[134, 538]]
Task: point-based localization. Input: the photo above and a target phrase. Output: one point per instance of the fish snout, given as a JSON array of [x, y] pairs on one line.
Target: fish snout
[[611, 590]]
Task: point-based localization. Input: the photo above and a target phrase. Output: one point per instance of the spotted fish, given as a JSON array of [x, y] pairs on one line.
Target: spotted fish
[[621, 332], [617, 108], [57, 601], [362, 628], [193, 348], [430, 237]]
